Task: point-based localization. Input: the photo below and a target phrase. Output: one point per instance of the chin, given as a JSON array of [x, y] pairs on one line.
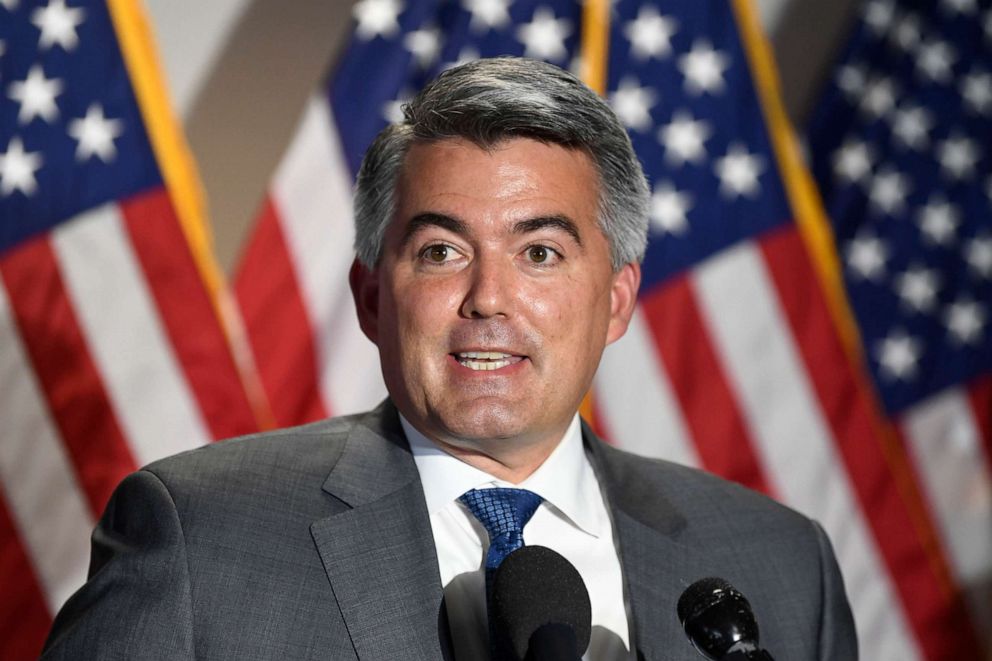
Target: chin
[[482, 423]]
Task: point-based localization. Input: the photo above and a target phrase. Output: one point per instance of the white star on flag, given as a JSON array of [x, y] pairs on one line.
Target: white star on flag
[[739, 171], [880, 97], [17, 169], [963, 7], [978, 254], [544, 37], [393, 110], [465, 55], [918, 287], [684, 139], [853, 161], [703, 68], [487, 14], [852, 79], [425, 45], [888, 192], [938, 221], [934, 60], [911, 127], [377, 18], [878, 15], [95, 134], [58, 25], [866, 256], [36, 94], [976, 90], [898, 355], [965, 321], [650, 34], [906, 32], [632, 104], [9, 5], [957, 156], [669, 208]]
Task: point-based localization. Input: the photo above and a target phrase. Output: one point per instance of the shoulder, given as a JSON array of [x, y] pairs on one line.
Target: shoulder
[[256, 495], [315, 444], [258, 467], [290, 445], [654, 489], [707, 526]]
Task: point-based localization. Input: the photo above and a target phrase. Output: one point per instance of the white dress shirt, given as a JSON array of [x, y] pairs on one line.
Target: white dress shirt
[[573, 520]]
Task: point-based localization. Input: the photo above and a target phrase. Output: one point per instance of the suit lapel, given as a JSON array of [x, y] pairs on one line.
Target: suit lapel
[[654, 567], [656, 553], [379, 555]]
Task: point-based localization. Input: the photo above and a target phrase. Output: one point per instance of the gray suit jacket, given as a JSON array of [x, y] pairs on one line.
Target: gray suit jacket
[[315, 543]]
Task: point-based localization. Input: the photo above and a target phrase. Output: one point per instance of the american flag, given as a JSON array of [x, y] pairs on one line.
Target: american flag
[[112, 350], [741, 358], [900, 149]]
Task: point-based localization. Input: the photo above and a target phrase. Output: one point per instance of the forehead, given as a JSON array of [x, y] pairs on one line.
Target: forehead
[[512, 178]]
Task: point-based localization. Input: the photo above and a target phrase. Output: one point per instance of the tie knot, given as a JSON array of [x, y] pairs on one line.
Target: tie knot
[[504, 513]]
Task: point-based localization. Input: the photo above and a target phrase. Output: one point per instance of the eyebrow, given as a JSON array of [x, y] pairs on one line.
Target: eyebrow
[[454, 225], [424, 220], [563, 223]]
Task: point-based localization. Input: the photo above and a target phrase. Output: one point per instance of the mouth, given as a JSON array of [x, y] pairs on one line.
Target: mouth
[[486, 361]]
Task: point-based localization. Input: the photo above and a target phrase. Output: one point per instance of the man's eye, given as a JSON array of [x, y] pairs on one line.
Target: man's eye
[[438, 253], [540, 254]]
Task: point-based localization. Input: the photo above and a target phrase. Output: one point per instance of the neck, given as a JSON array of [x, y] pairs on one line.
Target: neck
[[513, 467], [510, 459]]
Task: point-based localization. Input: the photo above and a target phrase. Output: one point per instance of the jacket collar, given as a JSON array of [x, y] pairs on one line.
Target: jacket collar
[[375, 461], [379, 553], [655, 554]]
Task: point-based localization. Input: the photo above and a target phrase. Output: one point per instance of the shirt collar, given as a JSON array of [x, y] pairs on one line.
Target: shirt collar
[[565, 480]]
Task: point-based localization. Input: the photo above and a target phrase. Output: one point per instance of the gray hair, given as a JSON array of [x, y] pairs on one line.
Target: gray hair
[[489, 101]]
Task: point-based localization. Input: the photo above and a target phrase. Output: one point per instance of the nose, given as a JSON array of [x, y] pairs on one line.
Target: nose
[[490, 289]]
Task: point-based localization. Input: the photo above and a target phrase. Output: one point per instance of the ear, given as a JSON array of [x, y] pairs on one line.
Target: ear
[[623, 299], [365, 290]]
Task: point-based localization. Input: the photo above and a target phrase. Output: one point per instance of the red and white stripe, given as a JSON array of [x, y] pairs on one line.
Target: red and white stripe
[[628, 376], [292, 285], [945, 442], [45, 502], [138, 367], [114, 357], [791, 436], [735, 367]]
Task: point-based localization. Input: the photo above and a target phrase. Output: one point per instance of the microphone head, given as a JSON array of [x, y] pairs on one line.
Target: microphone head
[[535, 587], [717, 618]]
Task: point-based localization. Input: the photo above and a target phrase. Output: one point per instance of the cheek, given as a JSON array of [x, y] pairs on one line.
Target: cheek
[[567, 317], [543, 305], [423, 313]]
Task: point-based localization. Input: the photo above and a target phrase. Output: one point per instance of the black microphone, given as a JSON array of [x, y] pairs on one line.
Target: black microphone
[[539, 607], [719, 622]]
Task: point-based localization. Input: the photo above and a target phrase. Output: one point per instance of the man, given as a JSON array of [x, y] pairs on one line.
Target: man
[[499, 233]]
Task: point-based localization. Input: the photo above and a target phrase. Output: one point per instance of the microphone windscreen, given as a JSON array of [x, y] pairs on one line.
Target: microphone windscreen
[[534, 587], [717, 618]]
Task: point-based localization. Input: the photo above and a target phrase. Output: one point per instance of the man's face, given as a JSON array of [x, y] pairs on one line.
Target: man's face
[[494, 296]]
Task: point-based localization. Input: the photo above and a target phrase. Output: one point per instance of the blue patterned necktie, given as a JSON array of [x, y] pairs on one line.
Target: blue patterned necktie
[[504, 513]]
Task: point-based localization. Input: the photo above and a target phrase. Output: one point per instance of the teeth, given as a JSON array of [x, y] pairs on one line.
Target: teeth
[[485, 360], [486, 366], [487, 355]]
